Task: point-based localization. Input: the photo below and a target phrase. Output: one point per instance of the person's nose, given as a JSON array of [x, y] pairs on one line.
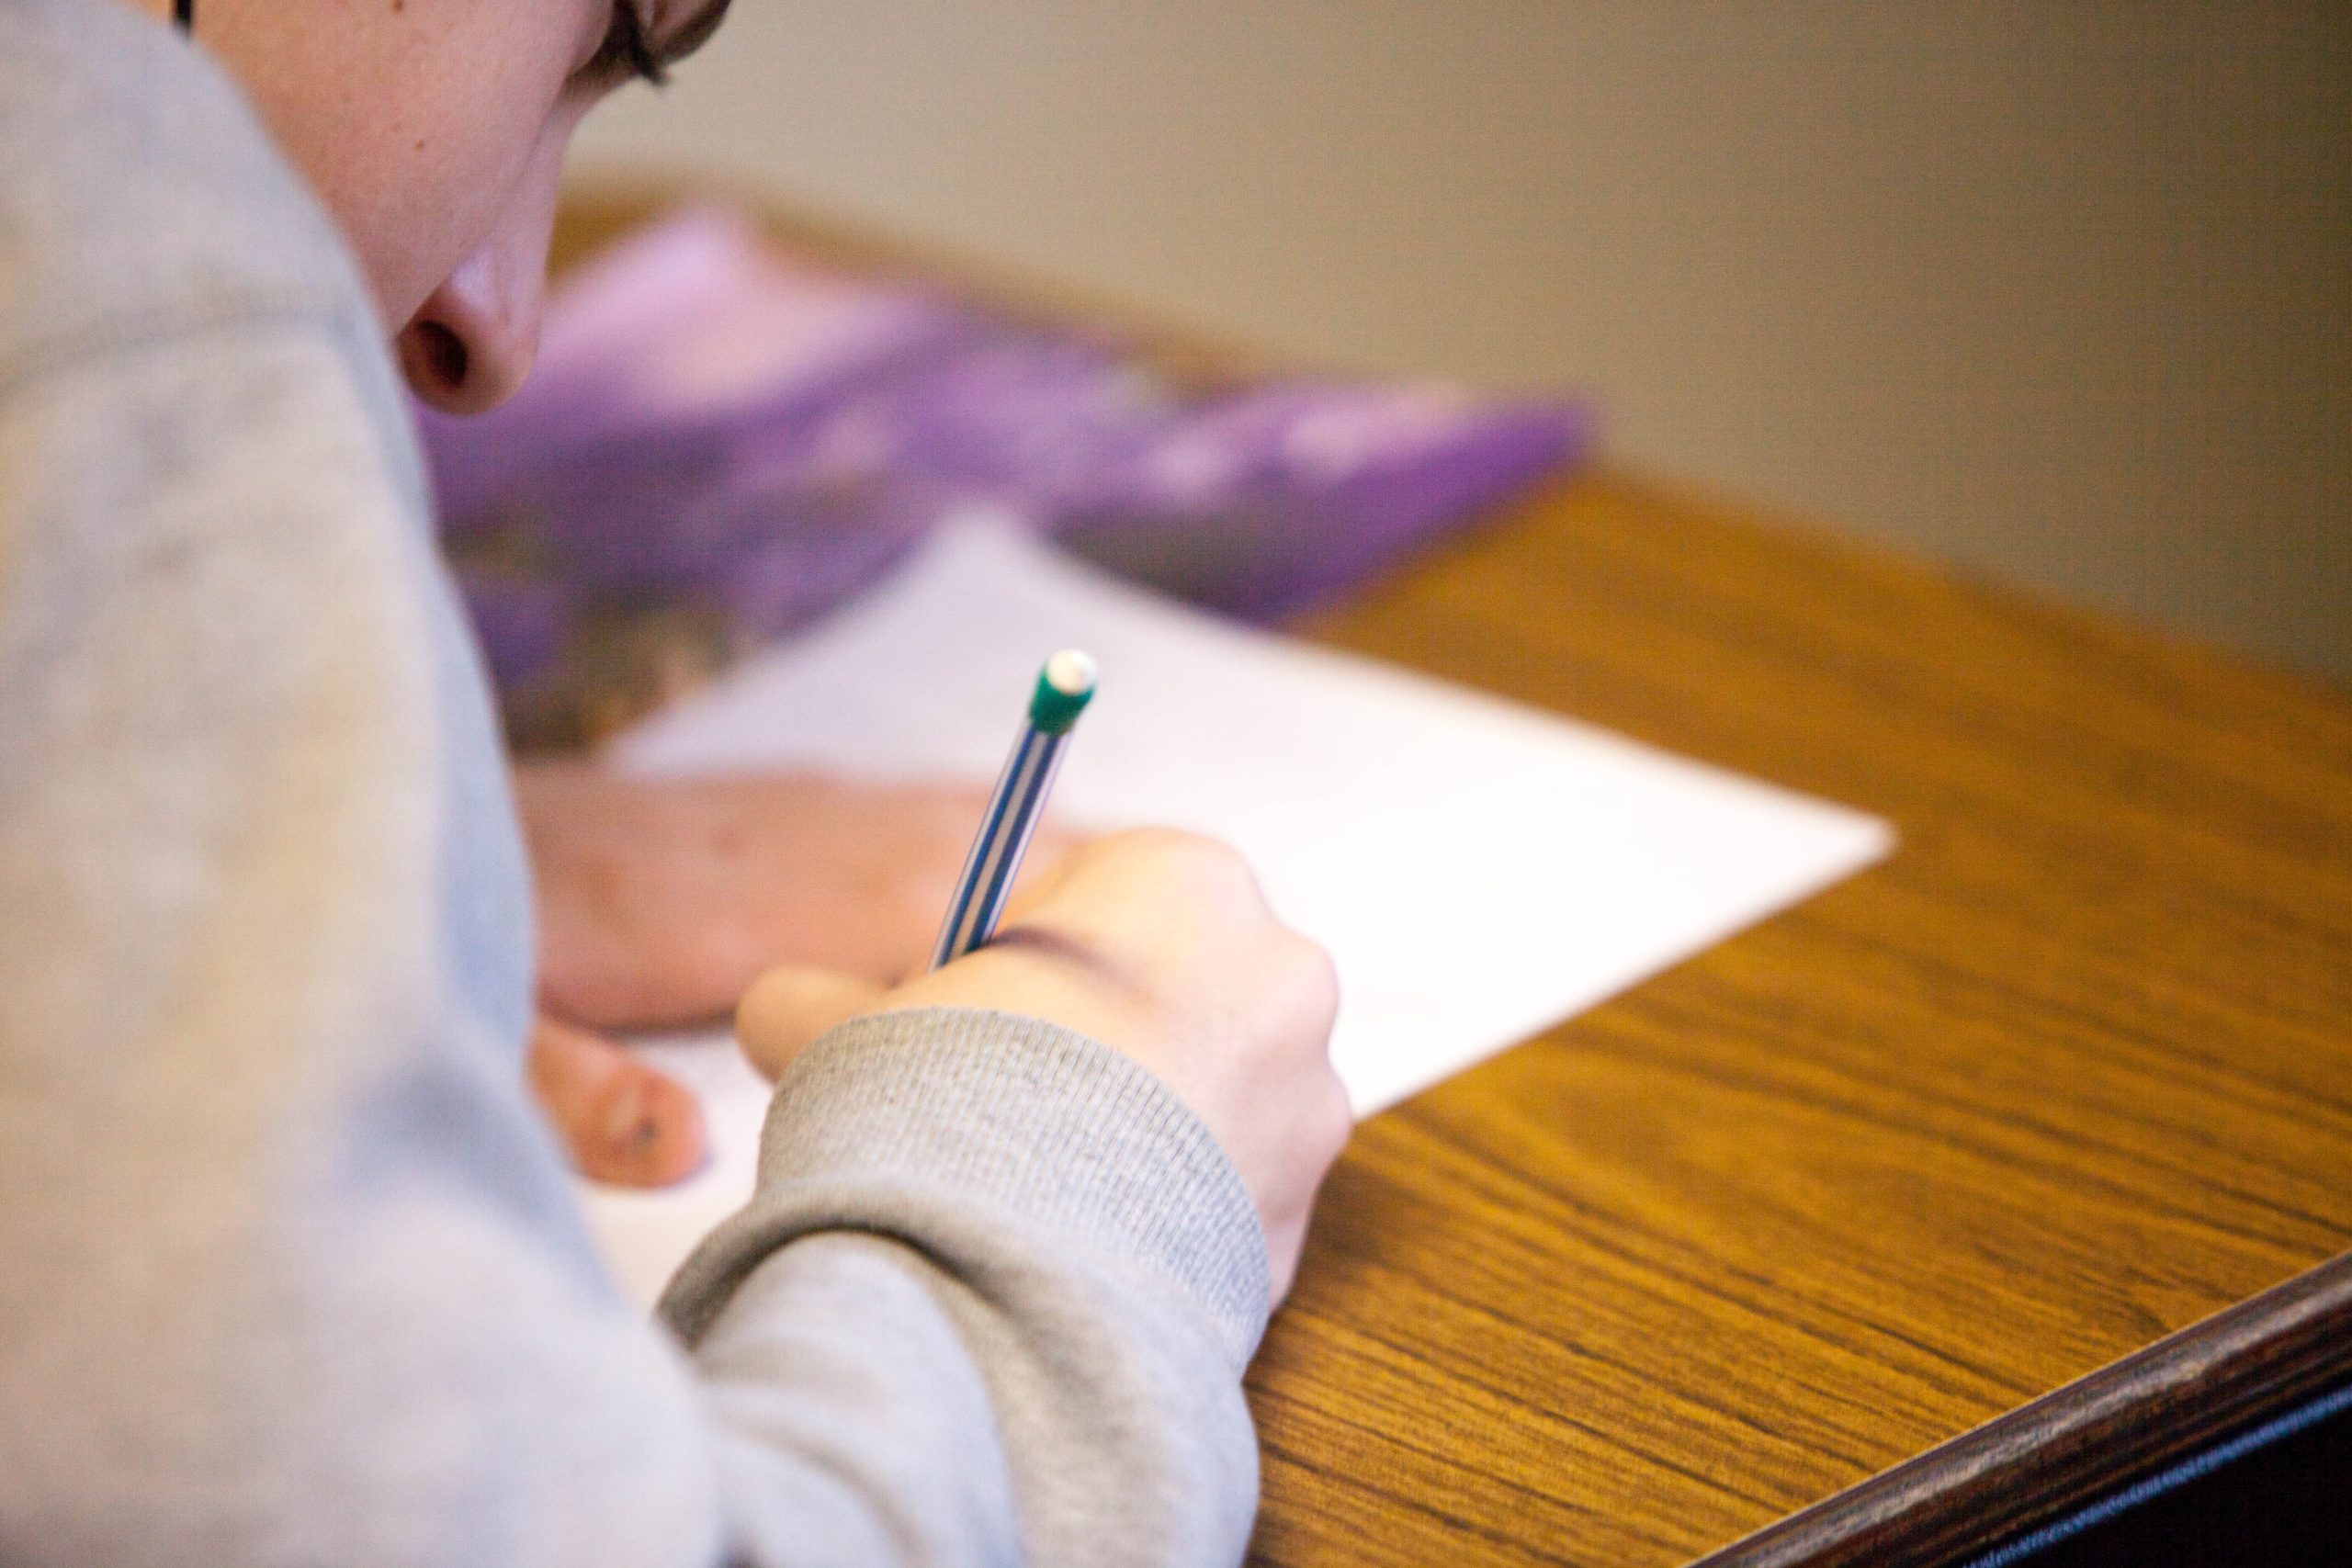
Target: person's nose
[[470, 344]]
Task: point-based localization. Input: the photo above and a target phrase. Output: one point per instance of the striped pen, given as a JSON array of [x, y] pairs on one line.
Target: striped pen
[[1064, 687]]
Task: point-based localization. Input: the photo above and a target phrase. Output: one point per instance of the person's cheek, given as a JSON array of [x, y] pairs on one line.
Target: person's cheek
[[413, 124], [469, 347]]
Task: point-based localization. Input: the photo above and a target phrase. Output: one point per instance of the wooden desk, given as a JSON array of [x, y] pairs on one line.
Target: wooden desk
[[2071, 1073]]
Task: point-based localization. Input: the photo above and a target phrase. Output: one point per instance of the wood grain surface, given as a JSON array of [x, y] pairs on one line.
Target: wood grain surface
[[2046, 1460], [2068, 1074]]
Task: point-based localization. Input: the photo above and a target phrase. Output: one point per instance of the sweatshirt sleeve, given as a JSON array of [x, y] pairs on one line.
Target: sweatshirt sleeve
[[293, 1272], [1021, 1244]]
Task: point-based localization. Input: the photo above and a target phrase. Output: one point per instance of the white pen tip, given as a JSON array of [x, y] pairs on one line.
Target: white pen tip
[[1071, 672]]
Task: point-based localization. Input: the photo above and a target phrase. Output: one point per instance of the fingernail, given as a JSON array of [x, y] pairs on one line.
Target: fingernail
[[652, 1130], [630, 1125]]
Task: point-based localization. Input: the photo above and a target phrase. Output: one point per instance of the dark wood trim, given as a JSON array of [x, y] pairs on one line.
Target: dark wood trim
[[2043, 1461]]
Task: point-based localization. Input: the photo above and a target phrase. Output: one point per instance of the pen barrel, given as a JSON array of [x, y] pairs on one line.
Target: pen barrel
[[1014, 812]]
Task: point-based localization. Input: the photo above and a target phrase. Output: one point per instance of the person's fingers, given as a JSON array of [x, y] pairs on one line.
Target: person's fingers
[[1041, 875], [789, 1006], [623, 1121]]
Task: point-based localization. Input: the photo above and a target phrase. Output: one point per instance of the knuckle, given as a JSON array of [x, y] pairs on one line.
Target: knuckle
[[1193, 860], [759, 1011], [1314, 978], [1157, 841]]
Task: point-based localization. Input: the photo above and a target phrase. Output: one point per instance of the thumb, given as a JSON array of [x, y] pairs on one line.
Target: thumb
[[789, 1006]]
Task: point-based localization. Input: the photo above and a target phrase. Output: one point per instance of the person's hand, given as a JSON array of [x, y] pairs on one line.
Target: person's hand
[[624, 1122], [1160, 945], [661, 900]]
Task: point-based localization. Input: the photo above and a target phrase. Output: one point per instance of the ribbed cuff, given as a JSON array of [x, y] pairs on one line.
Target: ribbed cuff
[[931, 1118]]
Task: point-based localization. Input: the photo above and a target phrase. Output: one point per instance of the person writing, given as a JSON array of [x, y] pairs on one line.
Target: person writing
[[293, 1268]]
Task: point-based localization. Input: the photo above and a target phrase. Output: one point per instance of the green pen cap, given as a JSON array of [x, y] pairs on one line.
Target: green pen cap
[[1064, 686]]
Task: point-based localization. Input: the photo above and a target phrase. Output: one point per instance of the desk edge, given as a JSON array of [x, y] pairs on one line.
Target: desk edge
[[2105, 1431]]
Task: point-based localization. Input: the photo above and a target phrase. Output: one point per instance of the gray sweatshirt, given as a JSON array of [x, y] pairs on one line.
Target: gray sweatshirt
[[291, 1268]]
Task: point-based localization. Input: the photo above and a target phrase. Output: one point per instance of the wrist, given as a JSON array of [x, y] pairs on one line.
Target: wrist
[[976, 1122]]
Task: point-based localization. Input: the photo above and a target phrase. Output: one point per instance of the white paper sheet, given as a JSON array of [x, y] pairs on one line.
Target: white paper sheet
[[1478, 869]]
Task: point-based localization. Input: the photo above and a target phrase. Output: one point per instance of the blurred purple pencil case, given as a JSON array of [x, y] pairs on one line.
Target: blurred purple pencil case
[[721, 443]]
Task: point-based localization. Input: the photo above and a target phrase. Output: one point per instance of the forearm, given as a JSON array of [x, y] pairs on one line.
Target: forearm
[[295, 1276], [991, 1302], [293, 1273]]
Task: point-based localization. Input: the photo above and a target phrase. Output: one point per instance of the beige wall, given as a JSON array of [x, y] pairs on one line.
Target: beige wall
[[2062, 291]]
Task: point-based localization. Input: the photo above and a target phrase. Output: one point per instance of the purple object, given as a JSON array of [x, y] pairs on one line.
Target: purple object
[[719, 439]]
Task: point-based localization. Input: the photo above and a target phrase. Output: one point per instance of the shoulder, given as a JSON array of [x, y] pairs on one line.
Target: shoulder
[[144, 198]]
